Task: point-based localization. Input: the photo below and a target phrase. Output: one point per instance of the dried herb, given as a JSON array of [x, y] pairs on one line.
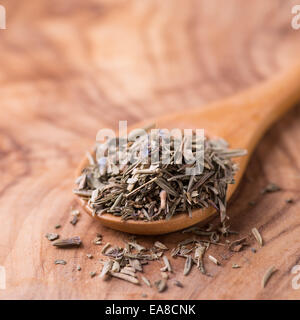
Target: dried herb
[[128, 272], [116, 267], [89, 256], [167, 264], [125, 277], [63, 262], [106, 268], [271, 187], [257, 236], [98, 240], [74, 220], [75, 213], [267, 276], [236, 266], [199, 254], [135, 263], [57, 226], [67, 243], [52, 236], [214, 260], [160, 245], [290, 200], [136, 246], [238, 245], [138, 190], [92, 274], [146, 281], [105, 247], [161, 285], [178, 284], [188, 265], [123, 263]]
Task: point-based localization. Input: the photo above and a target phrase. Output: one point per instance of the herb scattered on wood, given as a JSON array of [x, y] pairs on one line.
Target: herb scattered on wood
[[267, 276], [257, 236], [52, 236], [67, 243], [271, 187], [161, 285]]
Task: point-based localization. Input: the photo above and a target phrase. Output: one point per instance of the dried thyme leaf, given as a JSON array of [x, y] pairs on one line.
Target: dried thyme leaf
[[238, 245], [257, 236], [138, 247], [83, 193], [125, 277], [105, 247], [128, 272], [75, 213], [146, 281], [116, 267], [271, 187], [188, 265], [63, 262], [135, 263], [164, 275], [92, 274], [74, 220], [82, 182], [199, 254], [129, 268], [52, 236], [90, 158], [160, 245], [161, 285], [214, 260], [178, 284], [106, 268], [166, 186], [167, 263], [98, 240], [66, 243], [267, 276]]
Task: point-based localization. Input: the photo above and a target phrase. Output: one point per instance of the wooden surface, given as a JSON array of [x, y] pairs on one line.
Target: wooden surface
[[70, 68], [256, 109]]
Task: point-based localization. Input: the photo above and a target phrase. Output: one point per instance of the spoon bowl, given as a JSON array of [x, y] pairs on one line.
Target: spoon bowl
[[241, 120]]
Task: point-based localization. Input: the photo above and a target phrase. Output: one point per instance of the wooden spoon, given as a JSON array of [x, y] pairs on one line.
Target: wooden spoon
[[241, 120]]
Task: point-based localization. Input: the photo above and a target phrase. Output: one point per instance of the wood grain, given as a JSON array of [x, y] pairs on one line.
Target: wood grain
[[69, 68]]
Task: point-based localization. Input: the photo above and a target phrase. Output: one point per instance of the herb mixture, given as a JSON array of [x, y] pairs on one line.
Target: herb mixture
[[139, 190]]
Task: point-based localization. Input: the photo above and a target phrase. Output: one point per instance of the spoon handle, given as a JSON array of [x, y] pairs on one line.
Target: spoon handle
[[274, 97], [256, 109]]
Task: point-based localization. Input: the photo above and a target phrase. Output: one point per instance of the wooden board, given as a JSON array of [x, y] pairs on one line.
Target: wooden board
[[69, 68]]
